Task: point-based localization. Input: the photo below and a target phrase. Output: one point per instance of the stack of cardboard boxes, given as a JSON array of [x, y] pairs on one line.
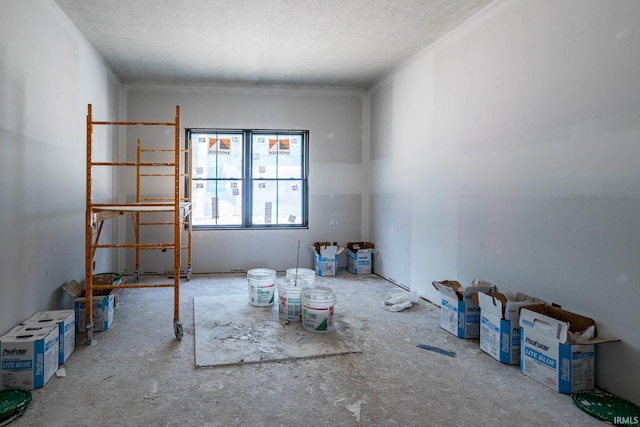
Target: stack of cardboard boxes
[[551, 345], [359, 257], [32, 352]]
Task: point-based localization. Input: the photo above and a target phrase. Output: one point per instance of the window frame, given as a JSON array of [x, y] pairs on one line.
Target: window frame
[[248, 180]]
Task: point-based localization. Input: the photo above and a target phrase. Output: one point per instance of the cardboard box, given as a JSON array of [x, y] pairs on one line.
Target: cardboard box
[[28, 356], [325, 258], [459, 314], [102, 308], [549, 356], [66, 322], [500, 325], [360, 257], [102, 311]]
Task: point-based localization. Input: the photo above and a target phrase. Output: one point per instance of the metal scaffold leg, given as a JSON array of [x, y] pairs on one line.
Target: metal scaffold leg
[[89, 339], [177, 327]]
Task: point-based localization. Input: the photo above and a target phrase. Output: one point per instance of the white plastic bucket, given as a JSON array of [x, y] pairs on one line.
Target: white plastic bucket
[[302, 273], [290, 304], [317, 308], [262, 286]]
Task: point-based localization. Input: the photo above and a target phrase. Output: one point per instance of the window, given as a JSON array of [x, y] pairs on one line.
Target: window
[[249, 178]]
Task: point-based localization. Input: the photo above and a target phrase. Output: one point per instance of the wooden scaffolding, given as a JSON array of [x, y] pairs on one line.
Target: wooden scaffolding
[[175, 204]]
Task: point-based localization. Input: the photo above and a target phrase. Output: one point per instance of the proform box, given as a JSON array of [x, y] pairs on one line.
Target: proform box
[[549, 355], [360, 257], [65, 321], [102, 307], [102, 311], [499, 325], [28, 356], [459, 314], [325, 258]]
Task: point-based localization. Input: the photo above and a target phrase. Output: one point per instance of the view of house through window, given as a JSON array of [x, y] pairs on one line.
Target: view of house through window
[[249, 178]]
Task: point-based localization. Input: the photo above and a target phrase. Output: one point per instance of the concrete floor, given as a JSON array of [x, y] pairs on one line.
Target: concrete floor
[[139, 374]]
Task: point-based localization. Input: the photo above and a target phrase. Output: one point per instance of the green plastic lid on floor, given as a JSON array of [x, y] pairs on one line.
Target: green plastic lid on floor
[[608, 407], [13, 403]]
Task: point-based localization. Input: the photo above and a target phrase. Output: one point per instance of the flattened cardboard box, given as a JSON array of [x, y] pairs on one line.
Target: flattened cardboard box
[[549, 357], [499, 325], [65, 321], [325, 258], [360, 257], [28, 356], [459, 314]]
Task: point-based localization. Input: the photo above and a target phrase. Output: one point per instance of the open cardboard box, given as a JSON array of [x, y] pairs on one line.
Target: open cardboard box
[[549, 355], [459, 314], [360, 257], [102, 306], [499, 324], [325, 258]]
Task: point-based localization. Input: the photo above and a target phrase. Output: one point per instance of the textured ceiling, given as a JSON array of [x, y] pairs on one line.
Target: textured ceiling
[[339, 43]]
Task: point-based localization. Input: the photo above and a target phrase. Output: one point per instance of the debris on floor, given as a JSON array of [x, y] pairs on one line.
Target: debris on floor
[[437, 350], [152, 391], [355, 409], [401, 301]]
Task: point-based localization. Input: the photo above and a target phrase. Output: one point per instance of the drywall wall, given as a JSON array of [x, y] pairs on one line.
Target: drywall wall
[[334, 120], [48, 73], [513, 158]]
